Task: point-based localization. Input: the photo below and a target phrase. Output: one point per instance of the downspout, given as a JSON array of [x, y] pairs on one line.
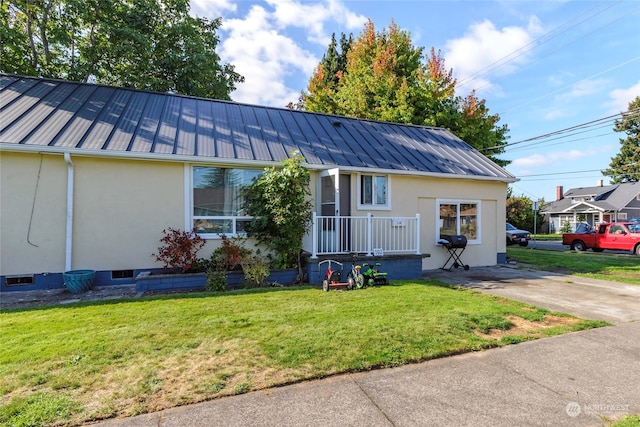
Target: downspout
[[69, 234]]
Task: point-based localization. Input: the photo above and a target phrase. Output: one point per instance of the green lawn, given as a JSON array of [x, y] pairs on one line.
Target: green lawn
[[617, 268], [76, 363]]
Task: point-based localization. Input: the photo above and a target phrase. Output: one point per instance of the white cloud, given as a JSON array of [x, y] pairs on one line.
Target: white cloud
[[555, 113], [585, 88], [264, 57], [553, 157], [488, 51], [212, 8], [620, 98], [312, 17], [263, 48]]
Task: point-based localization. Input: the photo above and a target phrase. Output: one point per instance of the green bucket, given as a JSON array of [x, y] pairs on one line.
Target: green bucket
[[78, 281]]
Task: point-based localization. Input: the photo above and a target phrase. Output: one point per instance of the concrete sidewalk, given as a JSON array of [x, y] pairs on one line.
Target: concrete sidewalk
[[578, 379]]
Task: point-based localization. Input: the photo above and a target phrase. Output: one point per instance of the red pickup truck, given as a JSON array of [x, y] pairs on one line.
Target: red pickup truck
[[621, 236]]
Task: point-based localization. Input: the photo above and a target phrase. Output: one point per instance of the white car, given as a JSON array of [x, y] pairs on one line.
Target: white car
[[515, 236]]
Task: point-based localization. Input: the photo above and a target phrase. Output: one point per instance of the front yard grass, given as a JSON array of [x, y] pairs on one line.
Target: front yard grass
[[617, 268], [89, 361]]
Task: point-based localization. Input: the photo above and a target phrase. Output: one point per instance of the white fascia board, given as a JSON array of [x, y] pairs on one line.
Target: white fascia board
[[176, 158]]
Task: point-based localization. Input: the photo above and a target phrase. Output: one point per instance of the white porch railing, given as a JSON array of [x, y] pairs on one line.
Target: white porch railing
[[369, 235]]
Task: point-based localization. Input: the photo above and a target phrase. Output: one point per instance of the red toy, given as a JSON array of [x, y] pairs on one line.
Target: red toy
[[332, 278]]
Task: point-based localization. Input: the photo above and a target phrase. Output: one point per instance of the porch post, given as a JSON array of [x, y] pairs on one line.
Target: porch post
[[369, 234], [314, 237], [417, 234]]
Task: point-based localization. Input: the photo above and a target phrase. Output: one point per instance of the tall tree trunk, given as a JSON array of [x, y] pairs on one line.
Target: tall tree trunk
[[34, 51]]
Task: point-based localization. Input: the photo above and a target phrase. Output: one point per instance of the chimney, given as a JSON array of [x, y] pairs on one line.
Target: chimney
[[600, 183], [559, 192]]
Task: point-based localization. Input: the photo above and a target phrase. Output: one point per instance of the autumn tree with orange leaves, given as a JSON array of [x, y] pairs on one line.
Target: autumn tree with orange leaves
[[383, 76]]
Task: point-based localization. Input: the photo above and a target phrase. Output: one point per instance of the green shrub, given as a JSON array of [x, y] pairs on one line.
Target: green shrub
[[256, 271]]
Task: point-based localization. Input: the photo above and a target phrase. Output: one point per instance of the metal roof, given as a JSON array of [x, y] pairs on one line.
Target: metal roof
[[59, 116]]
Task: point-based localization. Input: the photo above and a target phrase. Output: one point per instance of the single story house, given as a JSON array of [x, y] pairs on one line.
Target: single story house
[[602, 203], [90, 175]]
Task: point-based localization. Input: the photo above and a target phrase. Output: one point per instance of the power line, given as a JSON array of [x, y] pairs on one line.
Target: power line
[[538, 41], [554, 50], [570, 131], [622, 64]]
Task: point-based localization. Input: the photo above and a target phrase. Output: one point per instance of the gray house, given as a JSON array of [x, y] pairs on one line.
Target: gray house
[[602, 203]]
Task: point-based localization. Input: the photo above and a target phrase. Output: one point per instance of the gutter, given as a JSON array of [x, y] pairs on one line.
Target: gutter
[[69, 233], [194, 160]]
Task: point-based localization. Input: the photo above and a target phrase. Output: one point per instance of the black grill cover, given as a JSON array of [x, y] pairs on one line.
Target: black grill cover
[[454, 240]]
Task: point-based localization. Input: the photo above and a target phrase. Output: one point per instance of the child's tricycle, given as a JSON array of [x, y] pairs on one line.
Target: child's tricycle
[[333, 278]]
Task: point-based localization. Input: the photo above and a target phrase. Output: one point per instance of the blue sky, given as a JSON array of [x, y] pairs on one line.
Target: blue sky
[[546, 67]]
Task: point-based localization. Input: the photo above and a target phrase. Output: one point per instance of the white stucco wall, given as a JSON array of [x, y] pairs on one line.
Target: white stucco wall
[[32, 213], [411, 194], [120, 210], [121, 207]]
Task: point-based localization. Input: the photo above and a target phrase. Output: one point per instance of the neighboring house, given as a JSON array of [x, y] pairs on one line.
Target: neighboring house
[[593, 205], [90, 175]]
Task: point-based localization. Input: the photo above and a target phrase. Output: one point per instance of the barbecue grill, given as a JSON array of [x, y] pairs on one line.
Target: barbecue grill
[[455, 244]]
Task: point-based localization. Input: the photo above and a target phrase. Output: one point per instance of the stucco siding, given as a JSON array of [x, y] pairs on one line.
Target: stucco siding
[[121, 207], [120, 210], [32, 213], [412, 194]]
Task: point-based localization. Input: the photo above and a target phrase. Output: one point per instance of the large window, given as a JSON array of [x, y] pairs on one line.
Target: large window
[[374, 191], [217, 205], [457, 217]]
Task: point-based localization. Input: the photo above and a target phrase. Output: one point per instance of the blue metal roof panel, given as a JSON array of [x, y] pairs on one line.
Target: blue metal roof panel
[[148, 124], [20, 86], [98, 136], [73, 133], [165, 140], [285, 138], [372, 146], [185, 142], [84, 116], [270, 134], [330, 138], [222, 132], [205, 143], [27, 112], [253, 128], [437, 155], [314, 140], [62, 116], [290, 121], [240, 139]]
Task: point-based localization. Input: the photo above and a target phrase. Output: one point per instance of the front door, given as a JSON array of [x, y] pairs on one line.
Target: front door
[[335, 202]]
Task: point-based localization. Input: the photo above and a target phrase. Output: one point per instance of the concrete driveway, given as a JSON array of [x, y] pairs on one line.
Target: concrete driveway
[[579, 296]]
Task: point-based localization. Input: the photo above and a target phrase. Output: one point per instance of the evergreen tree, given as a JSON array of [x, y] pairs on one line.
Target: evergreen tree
[[385, 79], [325, 81], [625, 166]]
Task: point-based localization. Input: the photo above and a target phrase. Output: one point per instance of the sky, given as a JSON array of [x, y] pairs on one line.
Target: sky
[[559, 73]]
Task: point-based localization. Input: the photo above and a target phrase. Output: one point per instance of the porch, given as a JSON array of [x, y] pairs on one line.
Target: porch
[[366, 235]]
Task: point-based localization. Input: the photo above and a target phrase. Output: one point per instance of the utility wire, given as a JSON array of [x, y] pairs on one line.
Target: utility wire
[[538, 42], [554, 50], [622, 64], [593, 123]]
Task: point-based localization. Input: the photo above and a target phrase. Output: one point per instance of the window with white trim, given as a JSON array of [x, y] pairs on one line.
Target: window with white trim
[[459, 217], [217, 207], [373, 191]]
